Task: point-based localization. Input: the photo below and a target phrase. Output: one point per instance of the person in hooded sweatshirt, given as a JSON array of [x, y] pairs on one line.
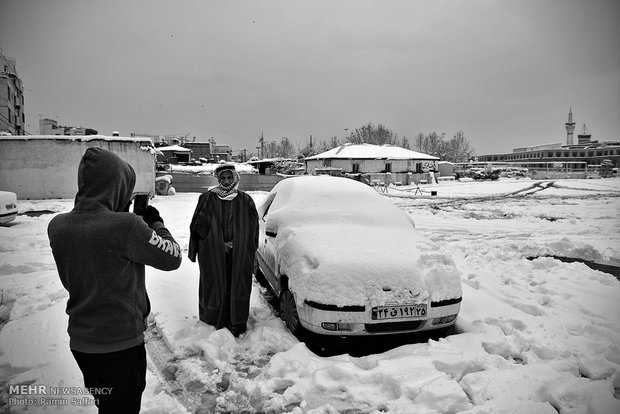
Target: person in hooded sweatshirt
[[224, 238], [101, 250]]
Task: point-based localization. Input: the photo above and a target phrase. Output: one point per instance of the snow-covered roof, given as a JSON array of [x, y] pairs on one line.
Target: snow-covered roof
[[373, 152], [271, 160], [73, 138], [176, 148]]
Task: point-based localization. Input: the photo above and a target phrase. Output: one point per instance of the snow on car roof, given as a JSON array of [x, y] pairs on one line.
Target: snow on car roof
[[341, 243], [370, 151]]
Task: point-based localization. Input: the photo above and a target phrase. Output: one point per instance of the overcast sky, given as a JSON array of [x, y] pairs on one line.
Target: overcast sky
[[504, 72]]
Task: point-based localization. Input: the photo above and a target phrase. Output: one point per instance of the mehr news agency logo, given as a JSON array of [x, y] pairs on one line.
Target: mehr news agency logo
[[45, 395]]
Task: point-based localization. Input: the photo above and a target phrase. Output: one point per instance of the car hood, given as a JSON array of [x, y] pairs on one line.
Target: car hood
[[353, 264]]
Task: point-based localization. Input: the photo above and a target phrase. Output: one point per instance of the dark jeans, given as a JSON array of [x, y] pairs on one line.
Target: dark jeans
[[121, 375]]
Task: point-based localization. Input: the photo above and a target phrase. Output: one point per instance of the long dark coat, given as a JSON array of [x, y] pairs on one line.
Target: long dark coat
[[207, 243]]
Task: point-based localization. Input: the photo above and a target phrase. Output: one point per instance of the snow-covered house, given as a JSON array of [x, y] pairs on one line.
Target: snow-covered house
[[368, 158], [380, 163], [174, 154]]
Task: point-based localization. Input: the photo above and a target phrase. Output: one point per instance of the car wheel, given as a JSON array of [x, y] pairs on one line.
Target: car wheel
[[269, 294], [288, 312], [256, 269]]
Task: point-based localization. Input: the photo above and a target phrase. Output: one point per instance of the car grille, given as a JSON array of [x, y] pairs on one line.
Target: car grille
[[350, 308], [393, 326], [445, 302]]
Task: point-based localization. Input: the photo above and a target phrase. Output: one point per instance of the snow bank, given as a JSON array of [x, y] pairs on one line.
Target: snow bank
[[533, 336]]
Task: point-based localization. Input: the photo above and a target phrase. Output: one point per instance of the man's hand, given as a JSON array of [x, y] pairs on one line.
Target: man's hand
[[151, 215]]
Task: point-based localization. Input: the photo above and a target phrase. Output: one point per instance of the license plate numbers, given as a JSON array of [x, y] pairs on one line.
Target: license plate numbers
[[401, 311]]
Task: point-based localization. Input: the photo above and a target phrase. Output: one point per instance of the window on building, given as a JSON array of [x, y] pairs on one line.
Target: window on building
[[418, 168], [356, 168], [388, 167], [327, 163]]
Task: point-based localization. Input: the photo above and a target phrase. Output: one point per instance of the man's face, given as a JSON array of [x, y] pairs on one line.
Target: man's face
[[226, 178]]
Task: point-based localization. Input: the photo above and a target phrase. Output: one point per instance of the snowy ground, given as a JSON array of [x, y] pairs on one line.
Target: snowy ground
[[535, 334]]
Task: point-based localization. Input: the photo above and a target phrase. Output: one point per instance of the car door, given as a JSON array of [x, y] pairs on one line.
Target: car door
[[266, 244]]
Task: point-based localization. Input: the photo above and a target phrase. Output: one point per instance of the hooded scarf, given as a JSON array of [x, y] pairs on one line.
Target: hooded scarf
[[226, 192]]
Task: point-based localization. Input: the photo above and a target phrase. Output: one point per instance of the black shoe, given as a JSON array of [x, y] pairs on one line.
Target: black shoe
[[237, 330]]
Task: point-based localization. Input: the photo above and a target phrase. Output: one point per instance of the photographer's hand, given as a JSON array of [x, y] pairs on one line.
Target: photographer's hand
[[151, 215]]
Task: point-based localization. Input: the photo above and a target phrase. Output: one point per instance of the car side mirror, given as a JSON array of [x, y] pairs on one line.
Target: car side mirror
[[271, 229]]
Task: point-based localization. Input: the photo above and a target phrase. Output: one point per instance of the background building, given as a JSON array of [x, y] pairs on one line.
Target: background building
[[576, 156], [385, 163], [50, 127], [200, 150], [12, 117]]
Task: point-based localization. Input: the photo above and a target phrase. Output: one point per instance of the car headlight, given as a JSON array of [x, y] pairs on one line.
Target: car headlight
[[337, 326]]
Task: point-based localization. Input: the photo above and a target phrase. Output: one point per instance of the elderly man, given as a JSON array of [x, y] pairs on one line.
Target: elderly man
[[224, 237]]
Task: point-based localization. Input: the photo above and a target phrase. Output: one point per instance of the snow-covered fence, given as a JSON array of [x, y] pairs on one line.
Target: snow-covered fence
[[549, 170], [45, 166]]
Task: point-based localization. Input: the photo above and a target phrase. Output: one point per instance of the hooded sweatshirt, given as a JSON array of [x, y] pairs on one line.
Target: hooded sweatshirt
[[100, 252]]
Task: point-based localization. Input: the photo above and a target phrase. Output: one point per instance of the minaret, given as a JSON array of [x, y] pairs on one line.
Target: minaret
[[584, 136], [570, 127]]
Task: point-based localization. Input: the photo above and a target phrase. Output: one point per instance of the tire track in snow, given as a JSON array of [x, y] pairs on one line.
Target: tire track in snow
[[222, 384], [163, 367]]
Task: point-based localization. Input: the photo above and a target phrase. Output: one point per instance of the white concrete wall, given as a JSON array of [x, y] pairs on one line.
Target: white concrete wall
[[46, 167], [371, 166]]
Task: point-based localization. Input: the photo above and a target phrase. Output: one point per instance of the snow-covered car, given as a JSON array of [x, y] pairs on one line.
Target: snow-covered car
[[345, 261], [8, 206]]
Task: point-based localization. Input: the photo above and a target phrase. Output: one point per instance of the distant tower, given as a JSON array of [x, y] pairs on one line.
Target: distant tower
[[570, 127], [584, 136]]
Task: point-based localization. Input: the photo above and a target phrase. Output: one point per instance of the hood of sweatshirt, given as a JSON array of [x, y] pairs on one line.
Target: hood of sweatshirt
[[105, 181]]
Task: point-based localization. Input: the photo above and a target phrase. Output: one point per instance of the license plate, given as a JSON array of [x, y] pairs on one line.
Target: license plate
[[400, 311]]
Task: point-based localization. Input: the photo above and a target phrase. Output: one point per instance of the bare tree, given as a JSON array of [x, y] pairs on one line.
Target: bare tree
[[405, 143], [420, 142], [458, 148], [287, 150], [334, 142], [434, 144], [371, 134]]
